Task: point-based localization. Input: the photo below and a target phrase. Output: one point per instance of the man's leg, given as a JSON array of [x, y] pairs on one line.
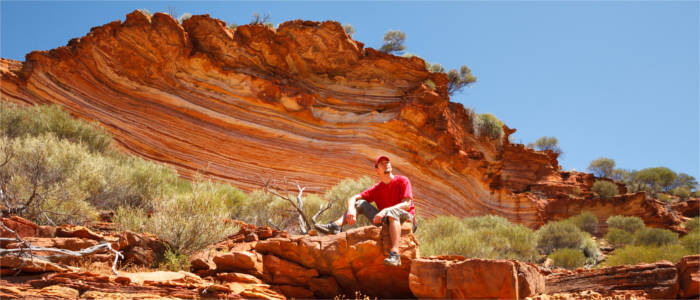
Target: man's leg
[[394, 218], [363, 208], [395, 234]]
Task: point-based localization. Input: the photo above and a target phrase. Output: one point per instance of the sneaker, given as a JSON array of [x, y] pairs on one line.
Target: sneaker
[[393, 260], [330, 228]]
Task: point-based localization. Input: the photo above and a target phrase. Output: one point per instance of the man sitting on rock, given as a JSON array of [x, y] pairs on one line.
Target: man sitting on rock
[[394, 198]]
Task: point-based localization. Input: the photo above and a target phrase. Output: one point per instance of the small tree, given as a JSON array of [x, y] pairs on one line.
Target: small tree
[[393, 42], [658, 178], [605, 189], [626, 223], [620, 175], [602, 167], [546, 143], [349, 29], [456, 81]]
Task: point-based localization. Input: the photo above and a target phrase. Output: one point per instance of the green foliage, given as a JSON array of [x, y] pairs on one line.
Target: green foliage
[[654, 237], [629, 224], [458, 80], [658, 178], [488, 125], [558, 235], [349, 29], [632, 255], [664, 198], [34, 121], [620, 175], [685, 181], [430, 84], [619, 237], [484, 237], [187, 221], [393, 42], [173, 261], [602, 167], [567, 258], [586, 221], [605, 189], [435, 68], [546, 143], [691, 241], [590, 249], [692, 224], [681, 191]]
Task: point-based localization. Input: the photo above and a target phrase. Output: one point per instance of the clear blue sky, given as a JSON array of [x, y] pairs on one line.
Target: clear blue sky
[[613, 79]]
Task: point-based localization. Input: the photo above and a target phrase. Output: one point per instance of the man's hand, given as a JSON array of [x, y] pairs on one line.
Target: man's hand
[[351, 216], [378, 217]]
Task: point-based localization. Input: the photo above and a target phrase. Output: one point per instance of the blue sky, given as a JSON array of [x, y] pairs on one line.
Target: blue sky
[[614, 79]]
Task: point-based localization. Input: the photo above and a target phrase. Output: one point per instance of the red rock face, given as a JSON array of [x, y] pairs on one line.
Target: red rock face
[[658, 280], [689, 276], [460, 278], [303, 101]]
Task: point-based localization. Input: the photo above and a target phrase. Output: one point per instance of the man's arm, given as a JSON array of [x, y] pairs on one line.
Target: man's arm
[[351, 215], [405, 204]]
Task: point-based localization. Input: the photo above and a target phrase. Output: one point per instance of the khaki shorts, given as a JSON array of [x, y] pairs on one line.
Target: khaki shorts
[[365, 208]]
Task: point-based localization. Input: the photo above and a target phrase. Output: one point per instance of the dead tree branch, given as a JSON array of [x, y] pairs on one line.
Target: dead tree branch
[[26, 246], [303, 223]]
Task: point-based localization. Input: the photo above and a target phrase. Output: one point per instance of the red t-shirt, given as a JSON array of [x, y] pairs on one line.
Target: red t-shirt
[[386, 195]]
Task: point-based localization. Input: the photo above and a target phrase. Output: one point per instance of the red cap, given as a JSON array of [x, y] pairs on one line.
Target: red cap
[[376, 161]]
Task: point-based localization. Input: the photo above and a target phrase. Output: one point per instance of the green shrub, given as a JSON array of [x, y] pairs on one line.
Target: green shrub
[[605, 189], [590, 250], [34, 121], [682, 192], [488, 125], [631, 255], [619, 237], [664, 198], [692, 224], [558, 235], [629, 224], [567, 258], [430, 84], [173, 261], [187, 221], [586, 221], [38, 180], [488, 237], [654, 237], [546, 143], [691, 241], [602, 167]]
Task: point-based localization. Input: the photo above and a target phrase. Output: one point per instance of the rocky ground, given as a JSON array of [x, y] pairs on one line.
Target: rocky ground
[[260, 262]]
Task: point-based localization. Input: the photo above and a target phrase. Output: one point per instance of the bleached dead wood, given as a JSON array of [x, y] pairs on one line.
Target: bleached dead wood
[[27, 250]]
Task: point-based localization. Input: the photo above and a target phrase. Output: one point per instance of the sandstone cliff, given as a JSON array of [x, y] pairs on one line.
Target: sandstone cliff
[[303, 101]]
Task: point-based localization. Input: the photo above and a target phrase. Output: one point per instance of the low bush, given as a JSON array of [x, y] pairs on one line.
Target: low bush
[[487, 125], [631, 255], [626, 223], [567, 258], [586, 221], [619, 237], [590, 250], [605, 189], [682, 192], [488, 237], [692, 224], [691, 241], [173, 261], [187, 221], [654, 237], [558, 235], [16, 121]]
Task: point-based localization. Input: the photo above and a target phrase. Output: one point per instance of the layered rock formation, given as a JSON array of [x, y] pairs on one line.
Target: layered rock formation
[[303, 102]]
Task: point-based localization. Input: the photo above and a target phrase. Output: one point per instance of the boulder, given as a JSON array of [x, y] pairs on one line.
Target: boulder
[[457, 277], [659, 280], [689, 276], [354, 259]]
